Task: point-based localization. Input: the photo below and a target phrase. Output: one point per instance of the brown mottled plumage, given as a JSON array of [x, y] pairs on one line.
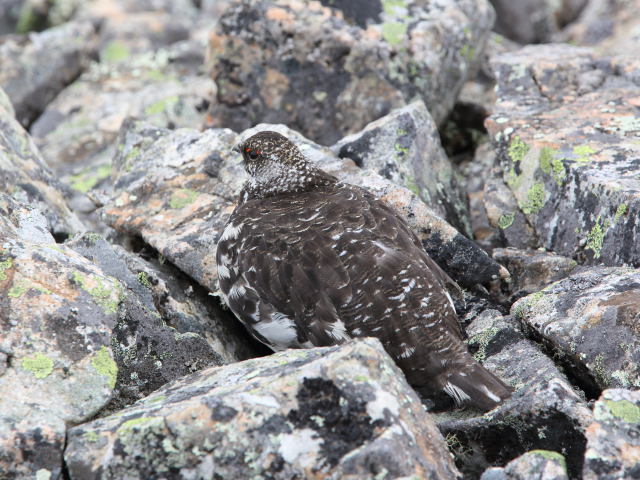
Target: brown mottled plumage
[[306, 260]]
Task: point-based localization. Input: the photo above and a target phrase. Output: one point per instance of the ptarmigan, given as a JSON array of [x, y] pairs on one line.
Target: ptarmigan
[[306, 260]]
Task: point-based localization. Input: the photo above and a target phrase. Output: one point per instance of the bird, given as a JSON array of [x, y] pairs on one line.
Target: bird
[[306, 260]]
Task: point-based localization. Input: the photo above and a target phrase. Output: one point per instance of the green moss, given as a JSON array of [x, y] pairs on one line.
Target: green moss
[[87, 179], [182, 197], [595, 238], [583, 153], [90, 436], [624, 409], [394, 32], [545, 159], [143, 278], [105, 365], [559, 173], [30, 19], [536, 197], [101, 293], [162, 105], [620, 211], [40, 365], [550, 455], [517, 149], [4, 266], [506, 220], [115, 52]]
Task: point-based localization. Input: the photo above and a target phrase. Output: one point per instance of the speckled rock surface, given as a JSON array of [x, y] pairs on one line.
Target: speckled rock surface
[[404, 147], [176, 190], [339, 412], [575, 181], [532, 270], [25, 176], [57, 311], [613, 445], [534, 465], [545, 411], [365, 58], [36, 67], [591, 318]]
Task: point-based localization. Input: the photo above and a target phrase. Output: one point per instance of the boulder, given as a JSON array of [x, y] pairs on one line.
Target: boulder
[[576, 182], [337, 412], [36, 67], [534, 465], [364, 58], [613, 439], [590, 321]]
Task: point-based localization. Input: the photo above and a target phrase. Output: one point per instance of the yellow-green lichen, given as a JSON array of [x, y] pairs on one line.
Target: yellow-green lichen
[[536, 197], [115, 52], [600, 371], [620, 211], [624, 409], [105, 365], [546, 156], [583, 153], [506, 220], [559, 173], [18, 289], [90, 436], [550, 455], [4, 266], [595, 237], [182, 197], [517, 149], [107, 298], [468, 52], [412, 186], [394, 32], [143, 278], [401, 151], [40, 365], [87, 179], [481, 340], [43, 474], [133, 424], [162, 105]]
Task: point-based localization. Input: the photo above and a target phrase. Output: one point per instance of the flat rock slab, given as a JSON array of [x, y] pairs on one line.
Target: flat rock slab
[[36, 67], [577, 182], [590, 318], [364, 58], [56, 368], [534, 465], [613, 440], [338, 412]]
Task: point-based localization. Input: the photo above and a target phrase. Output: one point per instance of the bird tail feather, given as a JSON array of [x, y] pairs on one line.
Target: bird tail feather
[[478, 387]]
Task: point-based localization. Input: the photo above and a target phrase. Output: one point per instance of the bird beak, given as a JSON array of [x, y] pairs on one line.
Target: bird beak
[[237, 148]]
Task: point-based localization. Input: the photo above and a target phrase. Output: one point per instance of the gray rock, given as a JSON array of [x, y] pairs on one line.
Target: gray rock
[[534, 465], [58, 310], [36, 67], [575, 181], [404, 147], [532, 270], [613, 439], [338, 412], [365, 58], [544, 412], [25, 176], [574, 315], [9, 14]]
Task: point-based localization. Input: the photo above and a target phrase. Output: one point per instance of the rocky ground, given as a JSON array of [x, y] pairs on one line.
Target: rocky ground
[[514, 156]]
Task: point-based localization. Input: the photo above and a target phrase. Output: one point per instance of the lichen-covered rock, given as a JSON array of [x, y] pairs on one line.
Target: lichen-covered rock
[[534, 465], [338, 412], [532, 270], [176, 190], [25, 176], [328, 68], [575, 181], [534, 21], [590, 319], [57, 310], [404, 147], [36, 67], [544, 412], [613, 440]]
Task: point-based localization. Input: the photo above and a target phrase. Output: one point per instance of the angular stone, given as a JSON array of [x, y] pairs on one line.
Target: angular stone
[[405, 148], [36, 67], [364, 59], [25, 176], [338, 412], [575, 181], [57, 310], [590, 319], [544, 412], [613, 445], [532, 270], [534, 465]]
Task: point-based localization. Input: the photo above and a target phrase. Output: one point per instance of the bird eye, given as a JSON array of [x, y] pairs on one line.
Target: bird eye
[[253, 154]]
